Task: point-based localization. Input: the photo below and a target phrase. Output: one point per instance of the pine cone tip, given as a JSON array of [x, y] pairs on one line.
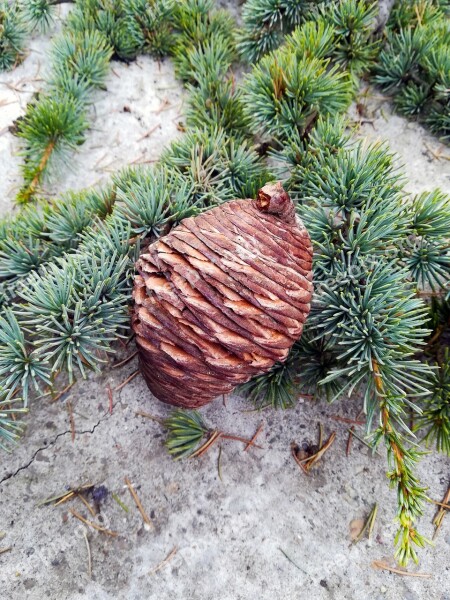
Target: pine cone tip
[[272, 198]]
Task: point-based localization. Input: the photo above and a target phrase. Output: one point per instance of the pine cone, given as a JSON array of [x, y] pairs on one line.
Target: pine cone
[[222, 297]]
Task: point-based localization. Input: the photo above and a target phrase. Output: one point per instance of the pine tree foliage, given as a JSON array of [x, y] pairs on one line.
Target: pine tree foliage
[[13, 31], [39, 14], [414, 64], [266, 21]]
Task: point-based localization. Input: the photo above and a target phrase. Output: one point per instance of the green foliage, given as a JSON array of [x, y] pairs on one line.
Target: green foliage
[[286, 93], [39, 13], [153, 200], [265, 22], [217, 167], [414, 64], [186, 429], [10, 428], [352, 21], [13, 30], [435, 419]]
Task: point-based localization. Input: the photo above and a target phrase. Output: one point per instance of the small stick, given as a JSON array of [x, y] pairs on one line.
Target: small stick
[[89, 554], [130, 378], [236, 438], [141, 413], [120, 503], [349, 441], [368, 525], [124, 361], [138, 503], [320, 435], [65, 498], [447, 506], [439, 517], [93, 525], [290, 560], [147, 133], [209, 442], [344, 420], [379, 564], [363, 441], [71, 420], [164, 562], [219, 463], [64, 495], [110, 399], [87, 505], [312, 460], [253, 440], [62, 392], [3, 550]]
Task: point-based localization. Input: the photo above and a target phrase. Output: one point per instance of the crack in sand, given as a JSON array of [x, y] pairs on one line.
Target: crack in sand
[[52, 443]]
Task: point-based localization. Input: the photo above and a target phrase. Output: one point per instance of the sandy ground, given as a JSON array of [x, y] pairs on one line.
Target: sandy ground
[[262, 529]]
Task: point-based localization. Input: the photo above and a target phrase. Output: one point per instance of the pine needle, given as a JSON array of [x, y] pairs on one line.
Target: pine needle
[[379, 564], [439, 517], [127, 381], [91, 524], [138, 503], [368, 525], [89, 554], [164, 562]]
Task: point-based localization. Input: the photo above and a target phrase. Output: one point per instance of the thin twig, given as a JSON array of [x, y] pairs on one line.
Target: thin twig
[[439, 517], [379, 564], [141, 413], [349, 421], [127, 380], [110, 399], [89, 554], [253, 440], [124, 361], [120, 503], [368, 525], [62, 392], [93, 525], [164, 562], [349, 441], [145, 517], [68, 496], [71, 420], [219, 464], [291, 561], [87, 505], [3, 550], [215, 435]]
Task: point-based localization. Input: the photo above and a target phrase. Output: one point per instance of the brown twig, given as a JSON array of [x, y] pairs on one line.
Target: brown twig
[[127, 380], [89, 554], [71, 420], [253, 440], [439, 517], [141, 413], [86, 503], [345, 420], [124, 361], [61, 393], [349, 441], [91, 524], [110, 399], [145, 517], [215, 435], [379, 564], [3, 550], [164, 562]]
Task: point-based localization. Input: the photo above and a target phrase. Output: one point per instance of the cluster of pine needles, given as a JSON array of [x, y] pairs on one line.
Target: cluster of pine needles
[[381, 314]]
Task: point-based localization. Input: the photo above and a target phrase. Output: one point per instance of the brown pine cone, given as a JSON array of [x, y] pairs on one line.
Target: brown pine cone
[[222, 297]]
